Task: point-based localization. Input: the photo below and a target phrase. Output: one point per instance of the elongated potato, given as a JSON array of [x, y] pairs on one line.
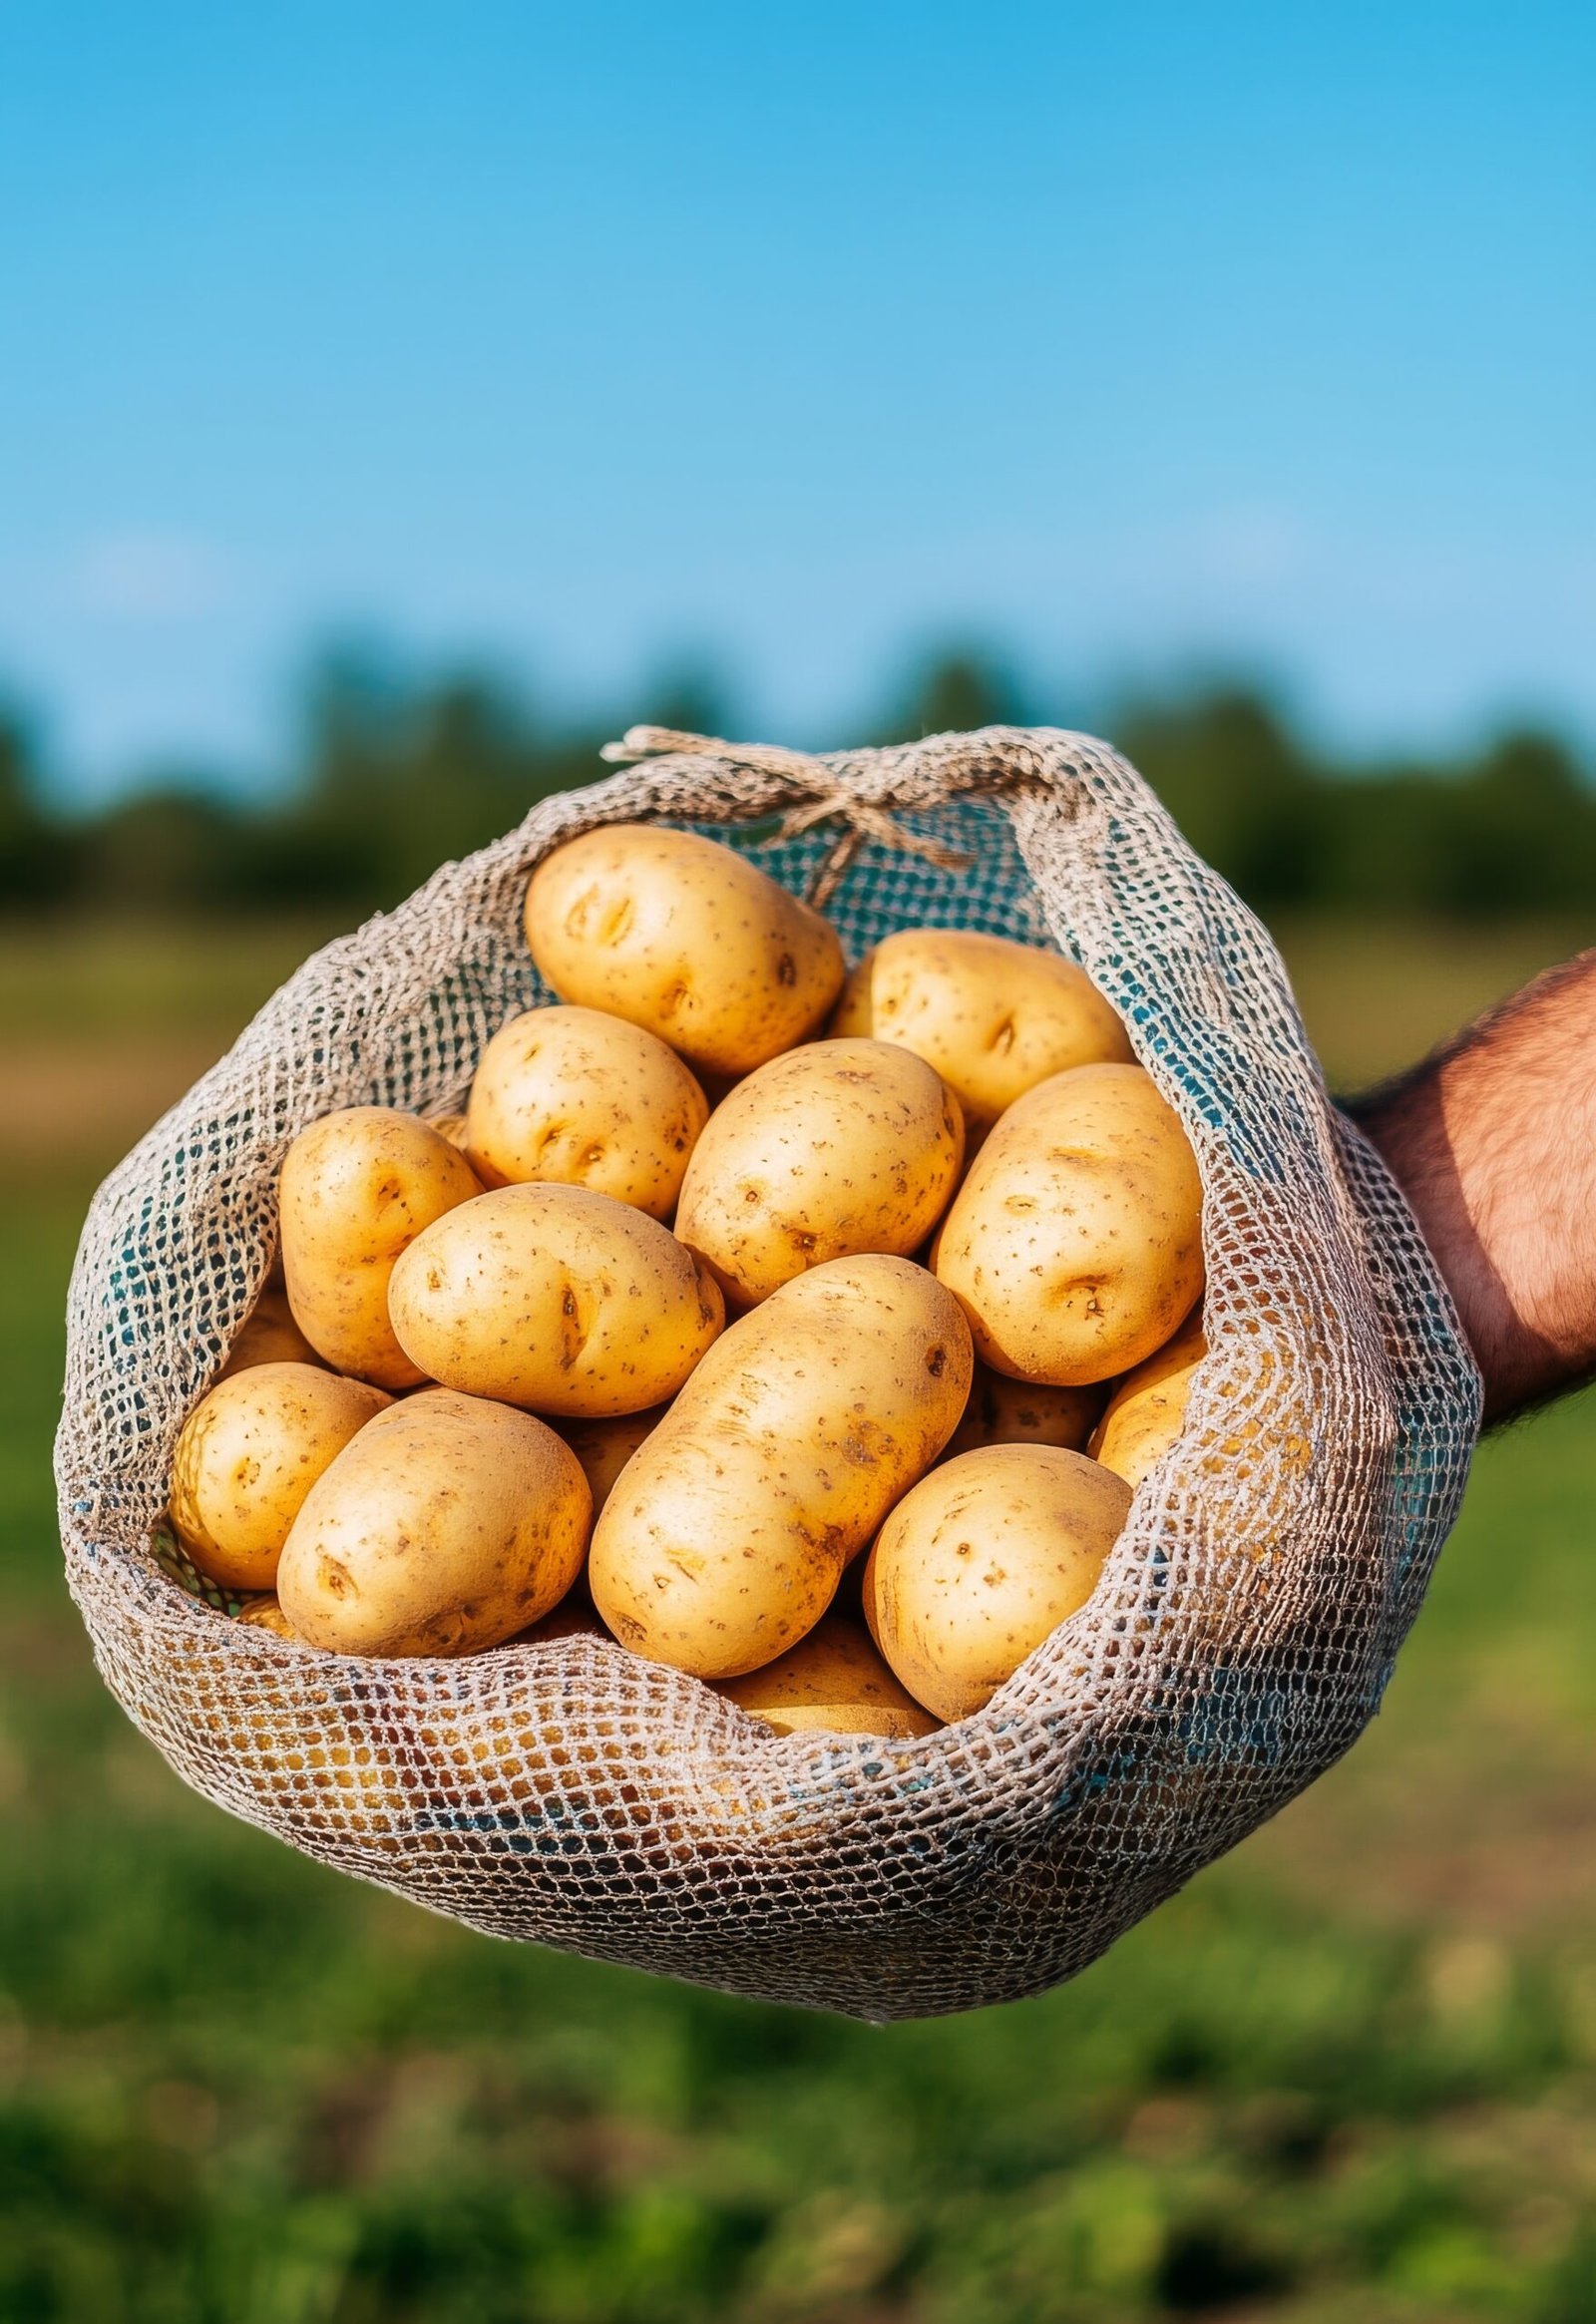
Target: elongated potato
[[453, 1525], [1148, 1409], [982, 1561], [1021, 1412], [1074, 1245], [576, 1099], [836, 1149], [555, 1299], [832, 1681], [725, 1536], [684, 937], [246, 1457], [357, 1188], [268, 1335], [604, 1448], [991, 1016]]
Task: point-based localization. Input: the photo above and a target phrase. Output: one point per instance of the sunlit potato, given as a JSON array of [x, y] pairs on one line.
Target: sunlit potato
[[834, 1683], [725, 1539], [247, 1456], [448, 1525], [992, 1018], [836, 1149], [1074, 1245], [553, 1298], [1147, 1410], [357, 1188], [578, 1099], [451, 1126], [1001, 1411], [982, 1561], [684, 937]]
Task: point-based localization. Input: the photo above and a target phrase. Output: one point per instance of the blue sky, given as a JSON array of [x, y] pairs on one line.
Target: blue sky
[[1133, 339]]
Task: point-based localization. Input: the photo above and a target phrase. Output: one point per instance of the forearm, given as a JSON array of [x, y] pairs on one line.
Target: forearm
[[1494, 1142]]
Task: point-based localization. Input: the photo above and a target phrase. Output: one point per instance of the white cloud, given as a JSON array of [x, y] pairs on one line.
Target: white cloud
[[149, 577]]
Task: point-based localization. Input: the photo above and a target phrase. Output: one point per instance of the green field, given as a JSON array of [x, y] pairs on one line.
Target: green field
[[1349, 2074]]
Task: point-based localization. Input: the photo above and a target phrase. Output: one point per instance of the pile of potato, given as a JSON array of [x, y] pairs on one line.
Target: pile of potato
[[805, 1330]]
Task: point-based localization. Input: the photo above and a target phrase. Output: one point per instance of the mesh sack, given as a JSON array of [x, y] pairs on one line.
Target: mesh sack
[[1246, 1622]]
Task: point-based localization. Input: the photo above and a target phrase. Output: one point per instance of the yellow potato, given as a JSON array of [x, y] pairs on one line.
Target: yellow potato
[[451, 1126], [838, 1148], [604, 1448], [723, 1542], [573, 1098], [684, 937], [994, 1017], [1148, 1409], [554, 1298], [268, 1335], [246, 1457], [357, 1189], [448, 1526], [982, 1561], [1022, 1411], [1074, 1245], [265, 1613], [833, 1681]]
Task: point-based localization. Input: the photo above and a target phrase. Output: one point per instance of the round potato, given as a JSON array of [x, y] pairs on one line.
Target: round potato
[[573, 1098], [684, 937], [982, 1561], [1147, 1410], [554, 1298], [991, 1016], [451, 1126], [268, 1335], [725, 1539], [836, 1149], [357, 1188], [1022, 1411], [247, 1456], [453, 1525], [265, 1613], [832, 1681], [1074, 1245], [604, 1448]]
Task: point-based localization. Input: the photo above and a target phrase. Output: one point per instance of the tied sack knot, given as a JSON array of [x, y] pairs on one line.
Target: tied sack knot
[[829, 796]]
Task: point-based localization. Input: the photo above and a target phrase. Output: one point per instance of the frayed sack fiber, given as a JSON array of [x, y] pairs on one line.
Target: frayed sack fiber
[[1245, 1624]]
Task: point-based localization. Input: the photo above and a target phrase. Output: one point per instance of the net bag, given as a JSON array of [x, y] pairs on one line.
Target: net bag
[[1246, 1622]]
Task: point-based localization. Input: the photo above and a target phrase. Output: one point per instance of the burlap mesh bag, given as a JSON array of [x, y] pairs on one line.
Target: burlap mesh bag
[[1243, 1630]]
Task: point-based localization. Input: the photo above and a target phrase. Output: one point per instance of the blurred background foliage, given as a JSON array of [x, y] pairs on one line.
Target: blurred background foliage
[[394, 772]]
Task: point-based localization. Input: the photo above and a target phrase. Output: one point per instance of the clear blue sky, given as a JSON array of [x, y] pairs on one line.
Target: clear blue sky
[[1130, 337]]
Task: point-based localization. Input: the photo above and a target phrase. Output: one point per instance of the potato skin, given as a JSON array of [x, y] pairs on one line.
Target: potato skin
[[265, 1613], [604, 1448], [836, 1149], [684, 937], [246, 1457], [357, 1188], [833, 1681], [725, 1536], [458, 1523], [1022, 1411], [992, 1018], [1074, 1245], [1147, 1410], [555, 1299], [982, 1561], [268, 1335], [449, 1125], [576, 1099]]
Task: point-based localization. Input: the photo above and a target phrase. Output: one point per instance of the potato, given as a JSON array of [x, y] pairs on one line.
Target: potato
[[268, 1335], [573, 1619], [1022, 1411], [1148, 1409], [576, 1098], [839, 1148], [448, 1526], [555, 1299], [991, 1016], [357, 1188], [686, 938], [246, 1457], [982, 1561], [833, 1681], [604, 1448], [1074, 1245], [451, 1126], [725, 1539], [265, 1613]]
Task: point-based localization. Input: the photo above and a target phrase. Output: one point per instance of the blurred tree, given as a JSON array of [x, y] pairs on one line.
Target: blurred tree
[[1240, 788], [961, 688], [37, 853], [172, 845]]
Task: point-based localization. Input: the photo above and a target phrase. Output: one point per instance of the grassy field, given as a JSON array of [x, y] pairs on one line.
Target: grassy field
[[1348, 2075]]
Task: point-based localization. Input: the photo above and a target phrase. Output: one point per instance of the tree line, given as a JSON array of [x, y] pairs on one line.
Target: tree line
[[393, 778]]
